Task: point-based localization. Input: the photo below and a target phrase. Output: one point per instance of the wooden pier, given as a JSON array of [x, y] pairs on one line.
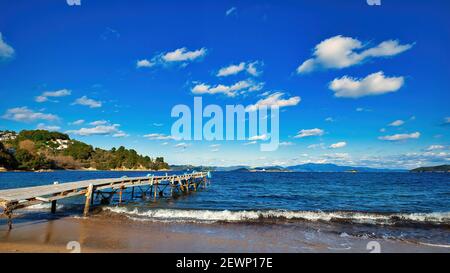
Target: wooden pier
[[104, 189]]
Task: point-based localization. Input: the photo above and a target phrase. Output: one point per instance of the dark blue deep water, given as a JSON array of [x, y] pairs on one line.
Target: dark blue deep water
[[399, 205], [366, 192]]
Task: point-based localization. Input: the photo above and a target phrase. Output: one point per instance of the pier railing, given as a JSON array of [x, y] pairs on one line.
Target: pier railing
[[149, 186]]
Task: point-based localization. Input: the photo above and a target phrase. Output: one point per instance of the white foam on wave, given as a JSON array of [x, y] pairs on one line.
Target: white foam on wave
[[434, 245], [189, 215], [43, 206]]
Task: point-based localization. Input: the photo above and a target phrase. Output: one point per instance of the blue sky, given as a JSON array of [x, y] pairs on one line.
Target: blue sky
[[368, 85]]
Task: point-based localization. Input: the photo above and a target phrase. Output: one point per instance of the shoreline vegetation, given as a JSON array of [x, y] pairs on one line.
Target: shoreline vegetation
[[84, 170], [433, 169], [41, 150]]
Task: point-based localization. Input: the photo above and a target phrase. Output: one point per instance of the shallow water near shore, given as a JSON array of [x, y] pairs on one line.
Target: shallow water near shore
[[288, 211], [106, 232]]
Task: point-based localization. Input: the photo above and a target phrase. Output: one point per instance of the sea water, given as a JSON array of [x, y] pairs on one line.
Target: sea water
[[403, 206]]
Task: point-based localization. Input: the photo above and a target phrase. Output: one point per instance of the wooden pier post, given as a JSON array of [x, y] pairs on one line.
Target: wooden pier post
[[87, 204], [155, 190], [180, 185], [187, 186], [8, 214], [53, 209], [120, 194]]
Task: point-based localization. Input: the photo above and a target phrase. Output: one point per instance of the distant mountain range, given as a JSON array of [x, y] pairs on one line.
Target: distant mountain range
[[309, 167]]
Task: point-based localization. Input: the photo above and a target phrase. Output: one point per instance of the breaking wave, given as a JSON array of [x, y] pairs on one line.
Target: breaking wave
[[43, 206], [213, 216]]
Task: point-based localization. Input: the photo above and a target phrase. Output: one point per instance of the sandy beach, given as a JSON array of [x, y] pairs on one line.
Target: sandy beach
[[104, 232]]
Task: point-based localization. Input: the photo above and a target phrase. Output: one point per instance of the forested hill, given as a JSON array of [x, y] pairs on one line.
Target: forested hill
[[41, 149], [442, 168]]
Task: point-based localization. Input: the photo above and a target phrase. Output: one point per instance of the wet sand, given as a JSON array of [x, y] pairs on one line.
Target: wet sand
[[110, 233]]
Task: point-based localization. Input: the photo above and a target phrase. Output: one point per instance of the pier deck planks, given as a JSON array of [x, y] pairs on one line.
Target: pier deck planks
[[36, 192]]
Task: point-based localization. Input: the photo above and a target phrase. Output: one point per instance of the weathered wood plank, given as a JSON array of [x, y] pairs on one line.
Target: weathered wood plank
[[89, 193]]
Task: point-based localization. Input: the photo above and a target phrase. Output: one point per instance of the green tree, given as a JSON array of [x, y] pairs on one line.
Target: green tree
[[7, 160], [79, 150], [41, 135]]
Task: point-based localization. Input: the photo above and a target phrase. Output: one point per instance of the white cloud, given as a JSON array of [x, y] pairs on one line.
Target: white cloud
[[40, 99], [397, 123], [329, 119], [275, 99], [84, 100], [144, 63], [259, 137], [158, 124], [250, 68], [214, 145], [231, 70], [182, 55], [120, 134], [399, 137], [435, 147], [338, 145], [337, 156], [309, 132], [98, 122], [286, 143], [314, 146], [238, 88], [77, 122], [409, 160], [54, 94], [397, 161], [230, 11], [112, 129], [215, 150], [361, 109], [373, 84], [6, 51], [155, 136], [42, 126], [181, 145], [340, 52], [23, 114], [447, 120]]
